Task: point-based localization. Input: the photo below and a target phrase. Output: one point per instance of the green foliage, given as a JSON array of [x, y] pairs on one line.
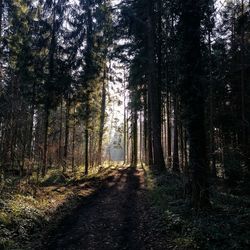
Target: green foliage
[[225, 226], [186, 243], [4, 218], [7, 243], [22, 216]]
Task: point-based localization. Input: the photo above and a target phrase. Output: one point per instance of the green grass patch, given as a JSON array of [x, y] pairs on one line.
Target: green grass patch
[[29, 207]]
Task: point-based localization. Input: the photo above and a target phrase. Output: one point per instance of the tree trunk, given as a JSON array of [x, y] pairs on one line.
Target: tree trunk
[[86, 149], [185, 154], [1, 20], [169, 130], [45, 145], [134, 139], [176, 167], [145, 129], [31, 126], [154, 92], [73, 141], [128, 141], [141, 138], [102, 120], [191, 91], [66, 139], [60, 133], [211, 113], [48, 88], [125, 129], [182, 150], [245, 123], [149, 138]]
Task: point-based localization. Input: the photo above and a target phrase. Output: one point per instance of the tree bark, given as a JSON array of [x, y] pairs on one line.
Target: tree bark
[[169, 131], [86, 148], [45, 145], [149, 135], [154, 92], [125, 123], [48, 88], [134, 138], [176, 164], [66, 136], [73, 140], [60, 133], [192, 94], [211, 113], [102, 119], [145, 130]]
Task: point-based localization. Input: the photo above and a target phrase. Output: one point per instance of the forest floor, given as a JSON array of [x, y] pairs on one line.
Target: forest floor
[[121, 207], [118, 216]]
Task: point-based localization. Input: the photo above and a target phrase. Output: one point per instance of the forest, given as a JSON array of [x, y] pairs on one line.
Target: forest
[[124, 124]]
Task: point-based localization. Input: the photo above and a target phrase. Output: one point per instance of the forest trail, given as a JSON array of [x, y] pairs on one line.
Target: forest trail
[[119, 216]]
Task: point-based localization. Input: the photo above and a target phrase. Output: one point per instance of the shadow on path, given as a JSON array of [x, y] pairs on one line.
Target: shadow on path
[[107, 220]]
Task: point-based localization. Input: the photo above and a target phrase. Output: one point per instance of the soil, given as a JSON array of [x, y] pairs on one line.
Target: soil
[[118, 216]]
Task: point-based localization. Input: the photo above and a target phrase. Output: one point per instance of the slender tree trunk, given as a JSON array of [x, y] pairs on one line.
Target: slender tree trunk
[[164, 132], [181, 139], [31, 126], [169, 130], [1, 16], [176, 164], [45, 145], [134, 139], [128, 140], [125, 131], [149, 139], [185, 154], [245, 139], [60, 133], [86, 149], [1, 21], [145, 125], [141, 138], [154, 92], [48, 101], [125, 126], [211, 113], [91, 148], [102, 120], [73, 140], [66, 137], [158, 45], [88, 72]]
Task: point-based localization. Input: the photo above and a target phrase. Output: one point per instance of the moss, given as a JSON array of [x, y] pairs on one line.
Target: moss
[[186, 243], [7, 244], [5, 218]]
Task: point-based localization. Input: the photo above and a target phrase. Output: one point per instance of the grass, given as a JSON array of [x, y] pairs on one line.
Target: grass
[[225, 226], [27, 207]]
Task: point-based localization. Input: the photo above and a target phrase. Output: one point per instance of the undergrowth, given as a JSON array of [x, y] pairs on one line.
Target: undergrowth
[[29, 206], [225, 226]]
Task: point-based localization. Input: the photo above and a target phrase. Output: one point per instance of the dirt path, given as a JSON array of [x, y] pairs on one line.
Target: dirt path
[[117, 217]]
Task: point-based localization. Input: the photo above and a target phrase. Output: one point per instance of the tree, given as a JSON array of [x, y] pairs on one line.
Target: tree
[[193, 99]]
